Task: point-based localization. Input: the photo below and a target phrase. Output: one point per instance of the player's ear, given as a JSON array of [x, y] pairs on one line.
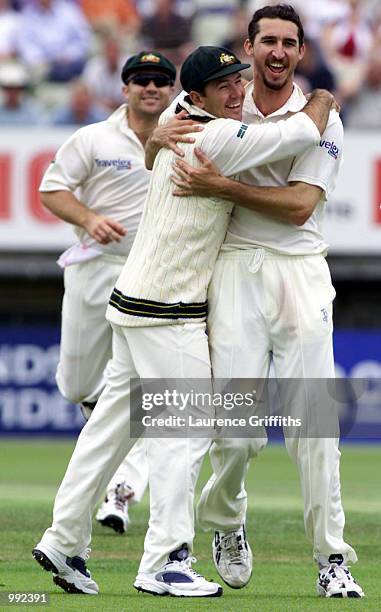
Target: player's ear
[[125, 91], [302, 51], [248, 46], [197, 99]]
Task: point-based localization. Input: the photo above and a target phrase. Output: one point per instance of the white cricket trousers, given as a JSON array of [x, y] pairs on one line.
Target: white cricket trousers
[[264, 306], [86, 348], [86, 335], [173, 351], [134, 471]]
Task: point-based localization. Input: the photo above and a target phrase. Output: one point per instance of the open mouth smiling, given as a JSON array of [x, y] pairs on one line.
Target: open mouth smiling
[[276, 67]]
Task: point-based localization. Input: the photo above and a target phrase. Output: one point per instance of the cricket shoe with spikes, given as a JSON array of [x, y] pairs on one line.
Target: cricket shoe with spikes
[[177, 578], [70, 573], [335, 580], [232, 557], [113, 512]]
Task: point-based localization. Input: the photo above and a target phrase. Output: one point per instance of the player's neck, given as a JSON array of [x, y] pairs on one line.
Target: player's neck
[[142, 125], [269, 100]]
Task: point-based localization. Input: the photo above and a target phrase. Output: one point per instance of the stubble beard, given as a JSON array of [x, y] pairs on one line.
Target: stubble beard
[[274, 86]]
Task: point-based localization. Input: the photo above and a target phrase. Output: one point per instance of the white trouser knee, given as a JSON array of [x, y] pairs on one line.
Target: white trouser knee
[[223, 500]]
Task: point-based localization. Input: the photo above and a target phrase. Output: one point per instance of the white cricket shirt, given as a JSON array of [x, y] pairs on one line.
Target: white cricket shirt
[[318, 165], [166, 275], [103, 163]]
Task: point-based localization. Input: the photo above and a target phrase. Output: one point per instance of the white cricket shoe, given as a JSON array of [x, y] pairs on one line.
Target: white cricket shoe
[[70, 573], [232, 557], [114, 510], [337, 581], [177, 578]]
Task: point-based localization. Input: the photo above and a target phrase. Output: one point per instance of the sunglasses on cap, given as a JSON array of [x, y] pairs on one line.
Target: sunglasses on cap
[[160, 80]]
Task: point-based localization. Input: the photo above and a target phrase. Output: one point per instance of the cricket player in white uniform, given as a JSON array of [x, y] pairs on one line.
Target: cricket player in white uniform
[[158, 311], [98, 182], [281, 307]]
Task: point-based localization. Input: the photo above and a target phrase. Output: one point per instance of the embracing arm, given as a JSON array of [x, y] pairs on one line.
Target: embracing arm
[[318, 107], [64, 205], [177, 129], [235, 147], [168, 135], [293, 203]]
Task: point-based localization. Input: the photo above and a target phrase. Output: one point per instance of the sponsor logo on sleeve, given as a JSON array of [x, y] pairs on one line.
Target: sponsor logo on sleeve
[[118, 164], [242, 130], [331, 148]]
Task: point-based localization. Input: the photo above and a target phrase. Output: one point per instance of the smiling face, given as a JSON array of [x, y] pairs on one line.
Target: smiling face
[[222, 97], [276, 52], [148, 99]]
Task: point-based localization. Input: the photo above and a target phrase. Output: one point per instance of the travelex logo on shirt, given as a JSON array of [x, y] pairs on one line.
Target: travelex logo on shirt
[[332, 149], [119, 164], [242, 130]]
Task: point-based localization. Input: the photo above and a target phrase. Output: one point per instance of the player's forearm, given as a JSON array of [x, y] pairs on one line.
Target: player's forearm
[[152, 148], [176, 130], [65, 206], [318, 108], [281, 203]]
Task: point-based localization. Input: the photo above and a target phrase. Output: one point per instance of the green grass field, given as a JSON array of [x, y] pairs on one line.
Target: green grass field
[[284, 574]]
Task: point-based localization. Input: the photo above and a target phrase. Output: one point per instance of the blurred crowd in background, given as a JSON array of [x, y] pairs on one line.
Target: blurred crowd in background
[[60, 60]]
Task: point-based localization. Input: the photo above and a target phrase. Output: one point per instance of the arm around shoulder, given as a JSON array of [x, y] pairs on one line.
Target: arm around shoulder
[[303, 199], [293, 203]]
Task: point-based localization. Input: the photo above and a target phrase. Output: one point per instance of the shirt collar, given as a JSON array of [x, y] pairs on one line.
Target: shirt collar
[[192, 109], [119, 118], [293, 105]]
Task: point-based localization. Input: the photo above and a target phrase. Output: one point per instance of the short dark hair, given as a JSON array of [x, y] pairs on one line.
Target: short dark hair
[[279, 11]]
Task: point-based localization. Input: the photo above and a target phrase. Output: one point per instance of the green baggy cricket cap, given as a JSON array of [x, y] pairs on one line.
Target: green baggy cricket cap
[[207, 63], [148, 60]]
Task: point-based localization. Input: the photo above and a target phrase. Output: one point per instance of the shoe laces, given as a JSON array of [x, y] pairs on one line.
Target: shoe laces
[[186, 565], [124, 490], [231, 544], [337, 572]]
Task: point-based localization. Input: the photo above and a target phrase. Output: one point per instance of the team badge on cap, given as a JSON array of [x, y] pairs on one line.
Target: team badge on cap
[[150, 57], [145, 60], [227, 59], [207, 63]]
